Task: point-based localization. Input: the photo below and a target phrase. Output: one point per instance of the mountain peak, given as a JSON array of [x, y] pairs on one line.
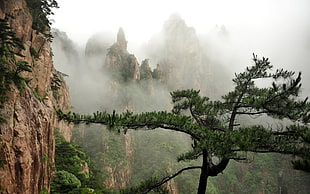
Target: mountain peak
[[121, 40]]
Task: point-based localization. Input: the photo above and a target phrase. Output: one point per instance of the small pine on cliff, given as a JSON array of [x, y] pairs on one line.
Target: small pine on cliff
[[122, 65]]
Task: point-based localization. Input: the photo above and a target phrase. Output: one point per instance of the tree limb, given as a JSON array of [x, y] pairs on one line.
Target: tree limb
[[164, 126], [168, 178], [251, 113]]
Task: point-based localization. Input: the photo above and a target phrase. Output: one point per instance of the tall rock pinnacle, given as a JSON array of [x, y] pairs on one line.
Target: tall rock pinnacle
[[119, 60], [121, 40]]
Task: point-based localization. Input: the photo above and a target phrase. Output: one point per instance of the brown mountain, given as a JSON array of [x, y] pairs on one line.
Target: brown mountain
[[27, 144]]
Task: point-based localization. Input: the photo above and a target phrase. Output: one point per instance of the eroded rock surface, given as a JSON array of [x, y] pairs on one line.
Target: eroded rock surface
[[27, 138]]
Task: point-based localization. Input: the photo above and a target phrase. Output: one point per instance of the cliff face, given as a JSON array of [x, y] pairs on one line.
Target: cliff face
[[119, 60], [27, 137], [123, 84], [112, 153]]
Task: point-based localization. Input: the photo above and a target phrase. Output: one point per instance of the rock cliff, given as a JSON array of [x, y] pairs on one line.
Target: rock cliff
[[120, 61], [27, 141], [112, 153], [124, 85]]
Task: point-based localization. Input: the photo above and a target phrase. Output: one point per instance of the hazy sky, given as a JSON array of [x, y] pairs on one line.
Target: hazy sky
[[278, 29], [143, 18]]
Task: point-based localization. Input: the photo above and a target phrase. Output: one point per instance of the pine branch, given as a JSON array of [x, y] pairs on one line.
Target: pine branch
[[144, 121], [251, 113], [168, 178]]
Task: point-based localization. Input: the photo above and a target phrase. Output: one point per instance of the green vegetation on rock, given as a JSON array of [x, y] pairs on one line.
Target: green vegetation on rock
[[75, 171], [217, 134], [10, 68], [40, 11]]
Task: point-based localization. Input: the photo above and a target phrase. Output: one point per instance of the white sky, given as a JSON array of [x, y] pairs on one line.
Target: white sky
[[142, 18], [277, 29]]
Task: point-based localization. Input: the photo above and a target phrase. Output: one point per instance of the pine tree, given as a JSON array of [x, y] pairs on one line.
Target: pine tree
[[40, 11], [213, 125], [10, 68]]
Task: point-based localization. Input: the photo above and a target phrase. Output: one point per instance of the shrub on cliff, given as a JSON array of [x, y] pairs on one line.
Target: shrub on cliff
[[10, 67], [40, 11], [64, 182], [217, 136]]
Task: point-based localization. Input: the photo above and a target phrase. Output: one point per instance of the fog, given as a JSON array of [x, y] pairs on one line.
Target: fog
[[93, 88], [141, 19], [229, 31], [200, 43]]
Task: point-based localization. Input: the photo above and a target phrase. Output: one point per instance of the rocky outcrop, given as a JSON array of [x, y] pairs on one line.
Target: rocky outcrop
[[120, 62], [145, 70], [171, 185], [120, 173], [27, 138], [121, 41]]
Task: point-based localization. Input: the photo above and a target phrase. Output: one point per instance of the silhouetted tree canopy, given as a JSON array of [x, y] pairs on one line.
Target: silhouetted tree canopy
[[217, 136]]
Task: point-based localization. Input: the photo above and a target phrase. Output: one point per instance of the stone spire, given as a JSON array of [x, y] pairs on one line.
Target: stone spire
[[121, 40]]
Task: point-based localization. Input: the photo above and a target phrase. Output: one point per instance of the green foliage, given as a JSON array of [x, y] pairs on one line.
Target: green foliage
[[148, 146], [114, 51], [38, 96], [44, 191], [145, 70], [144, 186], [2, 155], [214, 127], [10, 68], [64, 182], [40, 11], [70, 158], [86, 191], [265, 173], [57, 83], [105, 149], [127, 70], [157, 74], [155, 153], [34, 53], [45, 158], [303, 164], [122, 69], [116, 152], [57, 80], [212, 189]]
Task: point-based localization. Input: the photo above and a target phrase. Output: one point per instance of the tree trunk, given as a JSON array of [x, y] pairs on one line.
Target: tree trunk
[[204, 174]]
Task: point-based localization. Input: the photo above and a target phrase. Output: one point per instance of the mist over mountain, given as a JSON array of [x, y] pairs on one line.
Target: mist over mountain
[[130, 57], [176, 54], [178, 51], [105, 75], [108, 76], [97, 47]]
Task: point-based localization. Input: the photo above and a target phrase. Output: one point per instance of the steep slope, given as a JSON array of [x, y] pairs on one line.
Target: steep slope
[[110, 152], [27, 136], [137, 156], [133, 87]]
